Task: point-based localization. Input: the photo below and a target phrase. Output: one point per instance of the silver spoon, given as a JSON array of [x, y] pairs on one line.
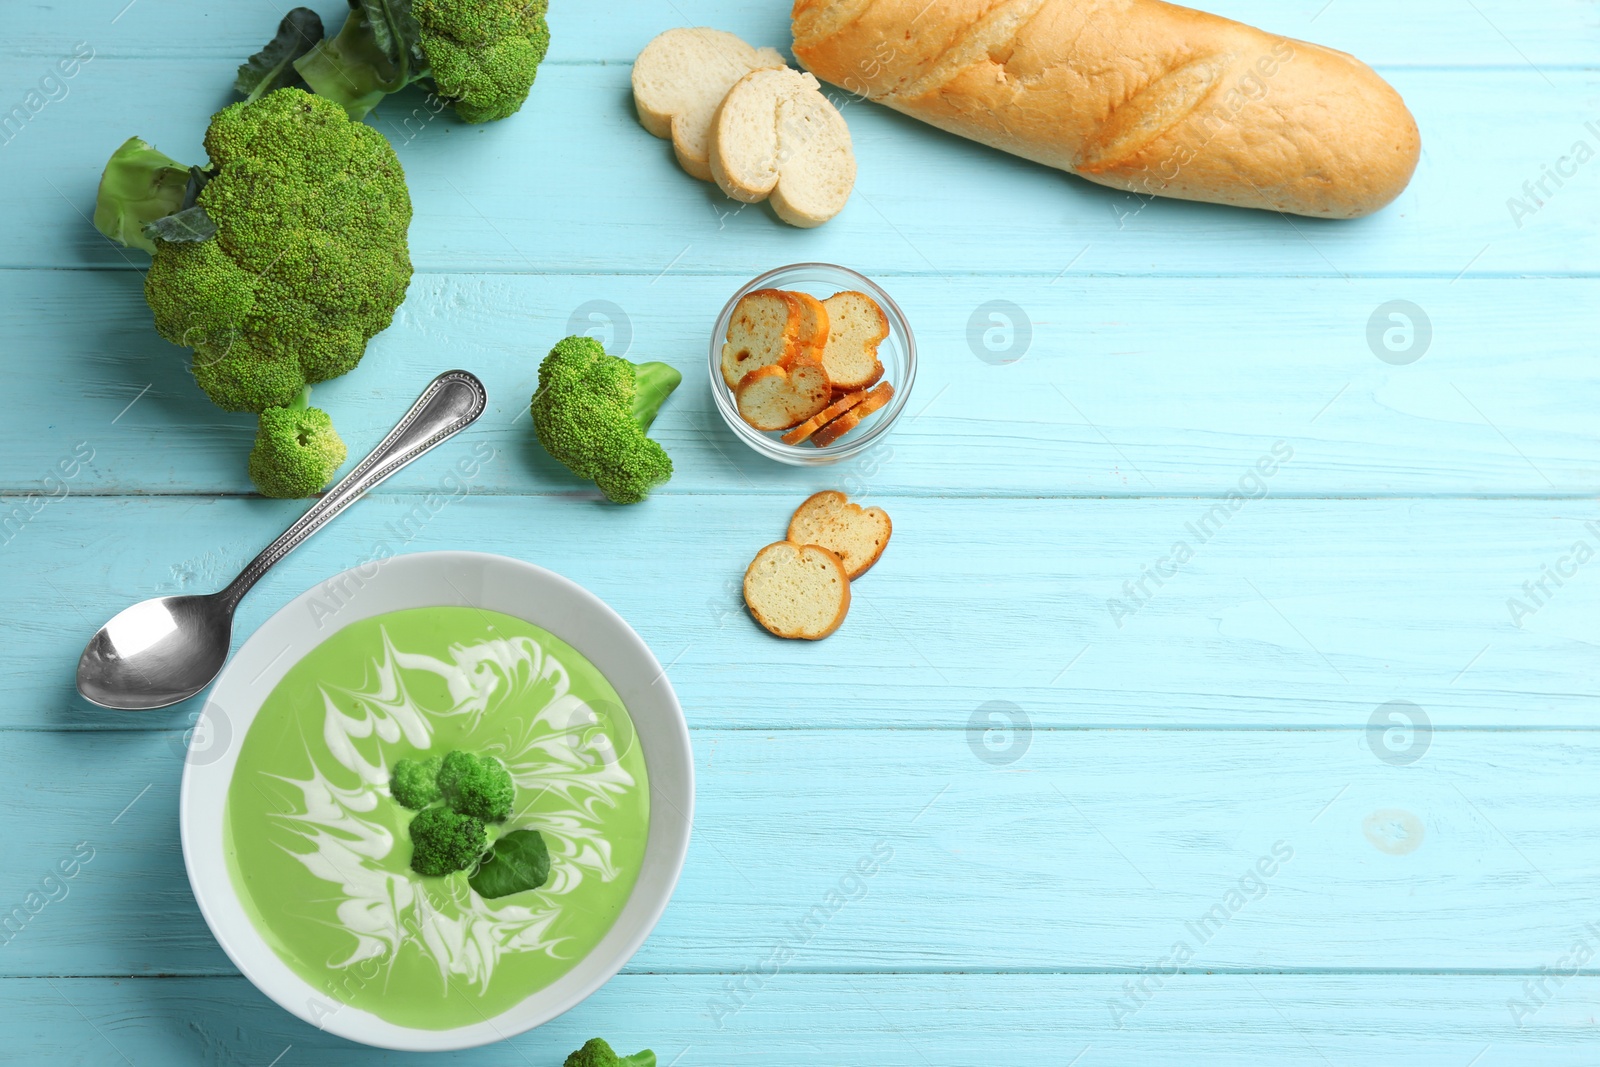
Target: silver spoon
[[161, 651]]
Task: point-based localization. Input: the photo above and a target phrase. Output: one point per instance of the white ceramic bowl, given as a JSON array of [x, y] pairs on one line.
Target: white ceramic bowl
[[898, 353], [429, 579]]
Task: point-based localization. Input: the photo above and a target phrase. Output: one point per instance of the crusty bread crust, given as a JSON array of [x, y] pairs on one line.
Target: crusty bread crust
[[816, 422], [876, 397], [855, 534], [1135, 94], [776, 566]]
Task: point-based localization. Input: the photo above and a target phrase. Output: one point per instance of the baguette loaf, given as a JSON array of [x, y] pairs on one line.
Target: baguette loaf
[[1139, 95]]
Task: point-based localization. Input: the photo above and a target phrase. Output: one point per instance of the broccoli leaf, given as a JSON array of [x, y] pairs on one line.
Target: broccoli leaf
[[395, 30], [639, 1059], [189, 226], [376, 52], [273, 66], [516, 862]]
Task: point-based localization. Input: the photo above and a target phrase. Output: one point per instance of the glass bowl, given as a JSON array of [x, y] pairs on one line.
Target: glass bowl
[[898, 352]]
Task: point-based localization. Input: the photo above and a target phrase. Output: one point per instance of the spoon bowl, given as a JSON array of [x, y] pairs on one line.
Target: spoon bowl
[[157, 652], [161, 651]]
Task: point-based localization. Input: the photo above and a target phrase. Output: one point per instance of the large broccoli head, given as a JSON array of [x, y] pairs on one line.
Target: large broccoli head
[[483, 54], [309, 258], [592, 410]]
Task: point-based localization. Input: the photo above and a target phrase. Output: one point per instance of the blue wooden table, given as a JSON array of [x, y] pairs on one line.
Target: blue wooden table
[[1323, 794]]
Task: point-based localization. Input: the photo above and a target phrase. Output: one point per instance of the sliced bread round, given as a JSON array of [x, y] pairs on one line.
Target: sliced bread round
[[797, 591], [681, 77], [782, 395], [775, 136], [856, 327], [764, 329], [855, 534]]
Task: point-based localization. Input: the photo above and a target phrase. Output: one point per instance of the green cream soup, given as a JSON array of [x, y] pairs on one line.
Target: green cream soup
[[319, 851]]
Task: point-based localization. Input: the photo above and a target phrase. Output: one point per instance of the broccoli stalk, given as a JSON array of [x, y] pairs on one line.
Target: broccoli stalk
[[366, 60], [592, 410], [597, 1053], [481, 55], [296, 452], [140, 185]]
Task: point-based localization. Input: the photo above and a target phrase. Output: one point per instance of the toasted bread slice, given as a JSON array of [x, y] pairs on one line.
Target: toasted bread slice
[[797, 591], [878, 396], [800, 433], [782, 395], [776, 137], [814, 324], [681, 77], [855, 534], [764, 329], [856, 327]]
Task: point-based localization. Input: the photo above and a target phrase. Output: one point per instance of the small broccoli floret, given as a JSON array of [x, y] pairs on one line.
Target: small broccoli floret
[[305, 258], [415, 783], [478, 787], [444, 841], [592, 410], [296, 452], [483, 54], [597, 1053], [139, 185]]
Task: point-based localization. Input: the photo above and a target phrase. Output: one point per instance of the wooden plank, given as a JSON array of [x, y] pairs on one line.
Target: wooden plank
[[523, 196], [1496, 33], [1026, 386], [800, 1020], [1095, 850], [1293, 613]]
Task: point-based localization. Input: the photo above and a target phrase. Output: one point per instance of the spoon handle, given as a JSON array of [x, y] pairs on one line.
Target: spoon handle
[[451, 402]]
